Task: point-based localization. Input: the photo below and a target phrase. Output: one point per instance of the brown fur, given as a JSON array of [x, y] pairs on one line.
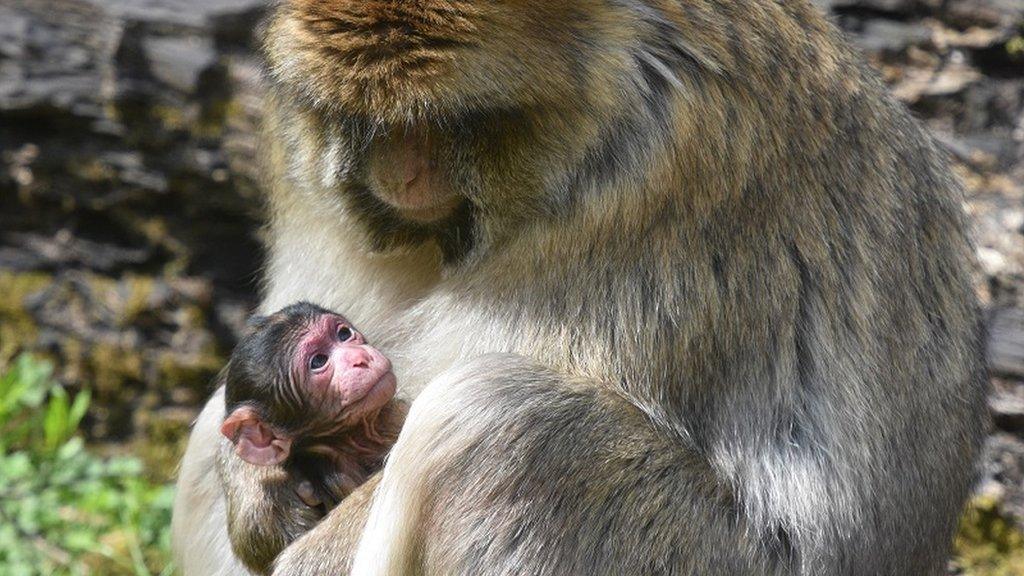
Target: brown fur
[[731, 271]]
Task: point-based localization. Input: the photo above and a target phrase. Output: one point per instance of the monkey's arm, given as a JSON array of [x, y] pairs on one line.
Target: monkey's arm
[[224, 503], [268, 507], [199, 536], [330, 547], [505, 467]]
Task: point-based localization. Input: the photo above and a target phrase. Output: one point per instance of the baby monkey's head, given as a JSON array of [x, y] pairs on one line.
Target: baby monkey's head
[[301, 374]]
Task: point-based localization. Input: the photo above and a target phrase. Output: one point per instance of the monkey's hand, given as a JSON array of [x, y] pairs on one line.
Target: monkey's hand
[[268, 508], [330, 547]]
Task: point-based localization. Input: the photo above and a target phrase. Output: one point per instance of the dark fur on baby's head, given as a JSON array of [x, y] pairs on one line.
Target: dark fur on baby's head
[[260, 372]]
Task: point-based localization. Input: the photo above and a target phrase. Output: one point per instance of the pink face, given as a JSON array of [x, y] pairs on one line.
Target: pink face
[[346, 379], [334, 364]]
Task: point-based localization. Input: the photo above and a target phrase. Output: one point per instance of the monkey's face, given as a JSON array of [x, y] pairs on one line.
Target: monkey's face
[[302, 374], [429, 113], [345, 378]]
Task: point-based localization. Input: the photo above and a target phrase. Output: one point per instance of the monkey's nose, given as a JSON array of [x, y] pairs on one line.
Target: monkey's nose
[[357, 357]]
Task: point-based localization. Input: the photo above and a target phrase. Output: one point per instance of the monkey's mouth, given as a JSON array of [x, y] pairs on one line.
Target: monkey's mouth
[[376, 397], [426, 213], [405, 175]]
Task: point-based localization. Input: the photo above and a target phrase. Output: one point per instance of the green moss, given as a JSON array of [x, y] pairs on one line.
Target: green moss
[[161, 445], [17, 328], [988, 544], [214, 115], [194, 374], [1015, 47], [92, 170], [140, 292], [113, 368], [170, 117]]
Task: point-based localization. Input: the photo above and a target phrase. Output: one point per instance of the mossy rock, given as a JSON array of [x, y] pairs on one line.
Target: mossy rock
[[988, 544], [18, 330], [113, 368], [161, 442], [194, 374]]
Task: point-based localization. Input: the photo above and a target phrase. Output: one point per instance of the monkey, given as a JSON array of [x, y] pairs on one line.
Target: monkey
[[304, 387], [304, 380], [747, 264]]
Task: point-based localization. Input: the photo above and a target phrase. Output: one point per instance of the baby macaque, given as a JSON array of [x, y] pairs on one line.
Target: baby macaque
[[304, 388]]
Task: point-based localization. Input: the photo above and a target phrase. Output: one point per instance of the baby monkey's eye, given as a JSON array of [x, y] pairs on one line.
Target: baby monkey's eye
[[318, 361], [344, 333]]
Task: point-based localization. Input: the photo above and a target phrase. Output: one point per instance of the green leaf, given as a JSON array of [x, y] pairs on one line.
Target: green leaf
[[56, 420], [65, 510], [78, 409]]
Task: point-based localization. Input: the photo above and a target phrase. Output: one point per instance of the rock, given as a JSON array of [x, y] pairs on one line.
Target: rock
[[127, 235], [1006, 342], [949, 81], [890, 36], [179, 62], [1001, 13], [888, 6], [1007, 412], [36, 252], [1002, 465], [170, 14]]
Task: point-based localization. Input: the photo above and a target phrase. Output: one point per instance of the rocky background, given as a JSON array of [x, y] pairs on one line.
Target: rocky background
[[129, 207]]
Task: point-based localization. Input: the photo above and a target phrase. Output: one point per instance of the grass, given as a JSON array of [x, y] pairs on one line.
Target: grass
[[63, 509]]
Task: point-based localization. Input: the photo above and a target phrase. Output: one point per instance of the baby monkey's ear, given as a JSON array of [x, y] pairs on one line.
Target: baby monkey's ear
[[255, 442]]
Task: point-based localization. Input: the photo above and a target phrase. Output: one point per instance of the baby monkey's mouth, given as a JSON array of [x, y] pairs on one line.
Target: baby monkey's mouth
[[379, 394]]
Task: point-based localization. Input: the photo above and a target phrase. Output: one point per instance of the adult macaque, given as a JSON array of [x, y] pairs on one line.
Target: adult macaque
[[303, 387], [727, 277]]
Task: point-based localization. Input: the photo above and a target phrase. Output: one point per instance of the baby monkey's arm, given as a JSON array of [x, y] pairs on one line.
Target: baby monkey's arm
[[344, 462], [268, 507]]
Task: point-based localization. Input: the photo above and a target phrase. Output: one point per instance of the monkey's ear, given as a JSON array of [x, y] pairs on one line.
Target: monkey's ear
[[255, 442]]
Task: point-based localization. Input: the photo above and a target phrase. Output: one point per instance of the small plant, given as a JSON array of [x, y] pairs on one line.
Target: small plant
[[1015, 47], [63, 509], [988, 544]]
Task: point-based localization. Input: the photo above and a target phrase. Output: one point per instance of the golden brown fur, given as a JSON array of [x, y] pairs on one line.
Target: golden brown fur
[[728, 276]]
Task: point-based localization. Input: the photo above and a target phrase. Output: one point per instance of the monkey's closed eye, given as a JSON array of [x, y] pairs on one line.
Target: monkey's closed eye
[[344, 333], [318, 361]]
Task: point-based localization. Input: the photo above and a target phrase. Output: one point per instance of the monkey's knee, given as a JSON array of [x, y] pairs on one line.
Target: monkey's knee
[[453, 413], [458, 407]]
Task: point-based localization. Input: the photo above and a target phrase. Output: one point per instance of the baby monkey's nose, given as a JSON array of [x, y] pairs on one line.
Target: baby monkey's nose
[[357, 357]]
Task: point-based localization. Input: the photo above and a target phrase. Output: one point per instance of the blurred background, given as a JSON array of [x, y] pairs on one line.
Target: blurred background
[[130, 252]]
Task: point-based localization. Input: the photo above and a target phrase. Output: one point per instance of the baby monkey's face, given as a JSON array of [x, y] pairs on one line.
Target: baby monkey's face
[[346, 378], [303, 374]]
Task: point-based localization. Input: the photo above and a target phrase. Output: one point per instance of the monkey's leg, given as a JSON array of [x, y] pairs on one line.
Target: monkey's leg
[[504, 467]]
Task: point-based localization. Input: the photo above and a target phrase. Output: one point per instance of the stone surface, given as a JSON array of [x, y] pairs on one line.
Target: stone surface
[[1006, 343], [128, 209]]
